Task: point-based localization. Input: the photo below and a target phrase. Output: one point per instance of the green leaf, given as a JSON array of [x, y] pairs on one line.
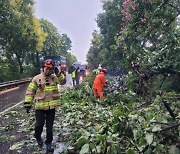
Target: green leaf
[[84, 149], [157, 100], [130, 151], [174, 150], [142, 141], [92, 146], [101, 137], [159, 148], [156, 128], [135, 134], [110, 139], [98, 149], [148, 151], [149, 138], [81, 141]]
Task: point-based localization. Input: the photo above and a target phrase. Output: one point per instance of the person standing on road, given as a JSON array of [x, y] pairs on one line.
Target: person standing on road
[[99, 84], [43, 91], [77, 76], [73, 74]]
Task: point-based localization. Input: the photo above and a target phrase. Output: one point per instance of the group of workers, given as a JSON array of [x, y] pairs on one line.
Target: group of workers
[[43, 92]]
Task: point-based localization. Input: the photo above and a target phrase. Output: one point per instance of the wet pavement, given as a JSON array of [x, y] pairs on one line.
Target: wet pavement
[[11, 97], [69, 83]]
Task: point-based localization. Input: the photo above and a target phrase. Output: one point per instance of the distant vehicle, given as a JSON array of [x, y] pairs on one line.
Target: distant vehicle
[[76, 64], [83, 71]]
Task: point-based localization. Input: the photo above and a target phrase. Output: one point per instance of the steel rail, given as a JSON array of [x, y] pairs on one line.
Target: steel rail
[[14, 83]]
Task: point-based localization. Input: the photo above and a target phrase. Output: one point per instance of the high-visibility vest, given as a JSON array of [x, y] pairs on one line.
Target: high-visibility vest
[[74, 74]]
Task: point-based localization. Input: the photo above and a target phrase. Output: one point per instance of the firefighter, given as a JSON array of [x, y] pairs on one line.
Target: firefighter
[[99, 84], [63, 69], [43, 91]]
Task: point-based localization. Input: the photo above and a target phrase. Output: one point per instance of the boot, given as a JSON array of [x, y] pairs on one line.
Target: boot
[[49, 148], [40, 143]]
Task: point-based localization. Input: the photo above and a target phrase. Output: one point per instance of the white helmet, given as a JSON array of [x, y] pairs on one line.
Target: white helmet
[[99, 68]]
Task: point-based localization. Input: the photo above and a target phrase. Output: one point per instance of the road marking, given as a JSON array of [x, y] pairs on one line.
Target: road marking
[[3, 112], [8, 90]]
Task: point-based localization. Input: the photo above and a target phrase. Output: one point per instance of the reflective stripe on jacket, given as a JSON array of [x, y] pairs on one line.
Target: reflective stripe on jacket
[[43, 91], [99, 81]]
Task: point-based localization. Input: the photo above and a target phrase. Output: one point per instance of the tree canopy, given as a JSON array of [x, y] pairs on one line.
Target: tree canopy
[[144, 32], [23, 37], [20, 31]]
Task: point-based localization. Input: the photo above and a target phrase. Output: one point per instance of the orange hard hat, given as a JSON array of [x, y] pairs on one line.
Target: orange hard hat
[[49, 63], [63, 66]]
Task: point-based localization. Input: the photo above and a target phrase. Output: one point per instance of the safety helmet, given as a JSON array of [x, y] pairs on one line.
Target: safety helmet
[[99, 68], [49, 63], [63, 66], [104, 70]]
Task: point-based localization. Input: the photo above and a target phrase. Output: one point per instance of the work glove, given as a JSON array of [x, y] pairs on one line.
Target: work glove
[[56, 70], [27, 109]]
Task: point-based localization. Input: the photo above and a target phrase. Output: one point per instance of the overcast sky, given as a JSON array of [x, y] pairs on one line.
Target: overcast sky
[[76, 18]]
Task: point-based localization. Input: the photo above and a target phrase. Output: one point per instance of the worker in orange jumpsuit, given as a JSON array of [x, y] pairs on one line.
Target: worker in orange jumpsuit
[[99, 84]]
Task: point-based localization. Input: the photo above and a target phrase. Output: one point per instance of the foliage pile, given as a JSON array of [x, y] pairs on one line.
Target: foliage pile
[[120, 123]]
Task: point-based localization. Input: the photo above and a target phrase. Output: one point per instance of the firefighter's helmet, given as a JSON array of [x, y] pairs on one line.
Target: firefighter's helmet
[[49, 63]]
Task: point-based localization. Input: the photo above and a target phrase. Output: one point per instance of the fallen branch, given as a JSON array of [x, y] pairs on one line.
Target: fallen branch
[[169, 109], [162, 123], [165, 129]]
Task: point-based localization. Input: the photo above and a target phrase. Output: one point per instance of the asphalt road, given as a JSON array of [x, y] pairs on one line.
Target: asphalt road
[[68, 84], [11, 97]]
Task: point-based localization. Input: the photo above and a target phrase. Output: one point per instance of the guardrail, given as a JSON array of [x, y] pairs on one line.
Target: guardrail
[[14, 83]]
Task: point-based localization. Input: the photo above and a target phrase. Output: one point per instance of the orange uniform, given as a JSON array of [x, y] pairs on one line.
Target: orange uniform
[[99, 84]]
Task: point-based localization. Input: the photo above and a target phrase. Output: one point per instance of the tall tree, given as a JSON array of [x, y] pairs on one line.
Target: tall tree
[[94, 55], [55, 43], [70, 58], [65, 43], [53, 40], [20, 31], [110, 24]]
